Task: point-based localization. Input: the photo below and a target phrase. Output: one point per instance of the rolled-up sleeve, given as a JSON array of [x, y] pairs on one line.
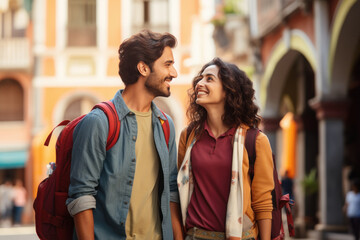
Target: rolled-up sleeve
[[263, 182], [81, 204], [88, 154]]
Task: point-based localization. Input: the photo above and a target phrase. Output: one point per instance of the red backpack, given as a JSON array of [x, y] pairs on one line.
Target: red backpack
[[52, 219], [279, 200]]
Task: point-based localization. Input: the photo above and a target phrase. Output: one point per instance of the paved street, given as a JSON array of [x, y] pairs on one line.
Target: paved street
[[18, 233], [28, 233]]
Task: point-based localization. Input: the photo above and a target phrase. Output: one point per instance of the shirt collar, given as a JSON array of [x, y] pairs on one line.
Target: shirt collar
[[229, 132], [123, 110]]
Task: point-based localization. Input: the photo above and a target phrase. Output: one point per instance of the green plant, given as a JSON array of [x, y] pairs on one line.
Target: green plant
[[310, 183], [231, 7]]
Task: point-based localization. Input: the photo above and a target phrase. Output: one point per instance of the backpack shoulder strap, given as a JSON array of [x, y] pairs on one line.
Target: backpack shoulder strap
[[166, 128], [250, 140], [108, 108]]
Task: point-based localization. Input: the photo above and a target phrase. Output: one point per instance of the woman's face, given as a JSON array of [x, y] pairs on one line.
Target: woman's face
[[209, 90]]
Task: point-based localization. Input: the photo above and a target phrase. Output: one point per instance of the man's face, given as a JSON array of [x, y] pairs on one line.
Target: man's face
[[163, 71]]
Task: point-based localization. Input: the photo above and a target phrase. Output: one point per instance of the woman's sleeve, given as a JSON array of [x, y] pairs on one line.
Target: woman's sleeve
[[182, 147], [263, 182]]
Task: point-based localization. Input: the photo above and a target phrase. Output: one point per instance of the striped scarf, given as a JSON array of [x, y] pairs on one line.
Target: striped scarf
[[234, 212]]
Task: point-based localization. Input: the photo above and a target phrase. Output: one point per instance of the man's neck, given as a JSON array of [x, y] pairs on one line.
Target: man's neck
[[137, 98]]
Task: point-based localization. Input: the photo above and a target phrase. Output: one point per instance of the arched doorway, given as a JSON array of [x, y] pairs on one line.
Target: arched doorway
[[291, 87], [11, 100], [352, 124]]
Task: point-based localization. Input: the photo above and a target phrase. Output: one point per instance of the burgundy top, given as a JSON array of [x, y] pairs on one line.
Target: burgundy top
[[211, 161]]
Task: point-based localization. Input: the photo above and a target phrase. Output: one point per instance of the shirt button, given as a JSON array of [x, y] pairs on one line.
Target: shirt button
[[133, 160], [121, 224], [130, 182], [134, 138], [125, 203]]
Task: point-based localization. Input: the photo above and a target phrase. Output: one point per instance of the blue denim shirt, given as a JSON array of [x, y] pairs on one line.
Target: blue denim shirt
[[102, 181]]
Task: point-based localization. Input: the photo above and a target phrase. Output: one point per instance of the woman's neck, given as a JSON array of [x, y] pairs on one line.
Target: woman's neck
[[215, 122]]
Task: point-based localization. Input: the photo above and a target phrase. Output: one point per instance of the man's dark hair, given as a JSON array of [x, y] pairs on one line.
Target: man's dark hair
[[146, 46]]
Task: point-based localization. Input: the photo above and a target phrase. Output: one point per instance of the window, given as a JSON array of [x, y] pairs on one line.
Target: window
[[11, 100], [13, 22], [82, 23], [78, 107], [150, 14]]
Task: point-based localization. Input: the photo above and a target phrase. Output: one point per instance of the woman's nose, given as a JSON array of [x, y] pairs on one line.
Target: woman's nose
[[200, 83]]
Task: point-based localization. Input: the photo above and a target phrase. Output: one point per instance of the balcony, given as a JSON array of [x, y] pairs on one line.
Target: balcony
[[271, 13], [15, 53]]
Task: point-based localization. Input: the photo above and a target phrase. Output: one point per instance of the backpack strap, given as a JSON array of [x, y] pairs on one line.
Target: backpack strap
[[63, 123], [250, 140], [166, 128], [109, 109]]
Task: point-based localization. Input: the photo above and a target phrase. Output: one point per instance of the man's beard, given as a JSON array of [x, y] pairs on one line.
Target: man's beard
[[155, 87]]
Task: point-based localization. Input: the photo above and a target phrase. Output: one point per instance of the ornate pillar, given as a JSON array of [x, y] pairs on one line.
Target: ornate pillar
[[331, 116]]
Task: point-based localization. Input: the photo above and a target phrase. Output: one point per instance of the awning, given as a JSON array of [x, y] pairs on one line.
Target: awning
[[13, 159]]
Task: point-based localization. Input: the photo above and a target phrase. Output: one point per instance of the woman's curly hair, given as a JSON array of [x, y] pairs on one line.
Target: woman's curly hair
[[239, 103]]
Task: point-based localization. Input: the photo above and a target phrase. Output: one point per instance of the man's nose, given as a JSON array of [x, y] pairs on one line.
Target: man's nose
[[173, 72]]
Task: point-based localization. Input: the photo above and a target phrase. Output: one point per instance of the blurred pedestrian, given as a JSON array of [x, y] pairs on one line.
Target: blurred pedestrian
[[287, 185], [218, 200], [19, 199], [6, 203], [352, 207]]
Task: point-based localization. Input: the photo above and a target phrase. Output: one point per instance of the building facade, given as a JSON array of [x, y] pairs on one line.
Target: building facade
[[307, 62], [16, 65]]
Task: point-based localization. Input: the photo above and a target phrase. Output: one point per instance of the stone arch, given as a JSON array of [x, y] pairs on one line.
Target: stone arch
[[285, 51], [344, 40]]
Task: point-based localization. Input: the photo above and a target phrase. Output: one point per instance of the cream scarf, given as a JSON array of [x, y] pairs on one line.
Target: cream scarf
[[234, 212]]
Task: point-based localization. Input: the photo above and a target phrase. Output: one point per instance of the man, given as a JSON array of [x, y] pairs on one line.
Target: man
[[125, 193]]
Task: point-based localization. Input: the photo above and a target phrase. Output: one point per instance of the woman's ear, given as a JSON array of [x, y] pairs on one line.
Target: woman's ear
[[143, 69]]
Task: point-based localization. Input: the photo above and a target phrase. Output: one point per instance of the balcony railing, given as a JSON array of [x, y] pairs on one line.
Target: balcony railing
[[14, 53]]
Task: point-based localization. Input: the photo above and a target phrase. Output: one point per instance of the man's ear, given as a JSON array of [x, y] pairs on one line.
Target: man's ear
[[143, 69]]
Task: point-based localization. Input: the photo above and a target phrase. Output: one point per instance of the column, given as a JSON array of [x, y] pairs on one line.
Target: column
[[330, 162]]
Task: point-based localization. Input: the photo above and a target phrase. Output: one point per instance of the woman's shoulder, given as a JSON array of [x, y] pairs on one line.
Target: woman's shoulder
[[262, 141]]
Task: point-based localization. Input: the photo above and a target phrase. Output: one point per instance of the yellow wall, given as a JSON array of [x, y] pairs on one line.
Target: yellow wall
[[50, 23], [114, 23], [189, 8], [48, 66]]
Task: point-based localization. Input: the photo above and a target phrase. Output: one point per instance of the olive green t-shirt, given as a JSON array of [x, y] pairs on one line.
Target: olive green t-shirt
[[143, 219]]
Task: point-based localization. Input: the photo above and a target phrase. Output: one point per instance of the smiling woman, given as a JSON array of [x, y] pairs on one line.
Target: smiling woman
[[216, 198], [209, 89]]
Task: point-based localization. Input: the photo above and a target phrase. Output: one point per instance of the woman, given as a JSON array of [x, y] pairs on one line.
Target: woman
[[217, 199]]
